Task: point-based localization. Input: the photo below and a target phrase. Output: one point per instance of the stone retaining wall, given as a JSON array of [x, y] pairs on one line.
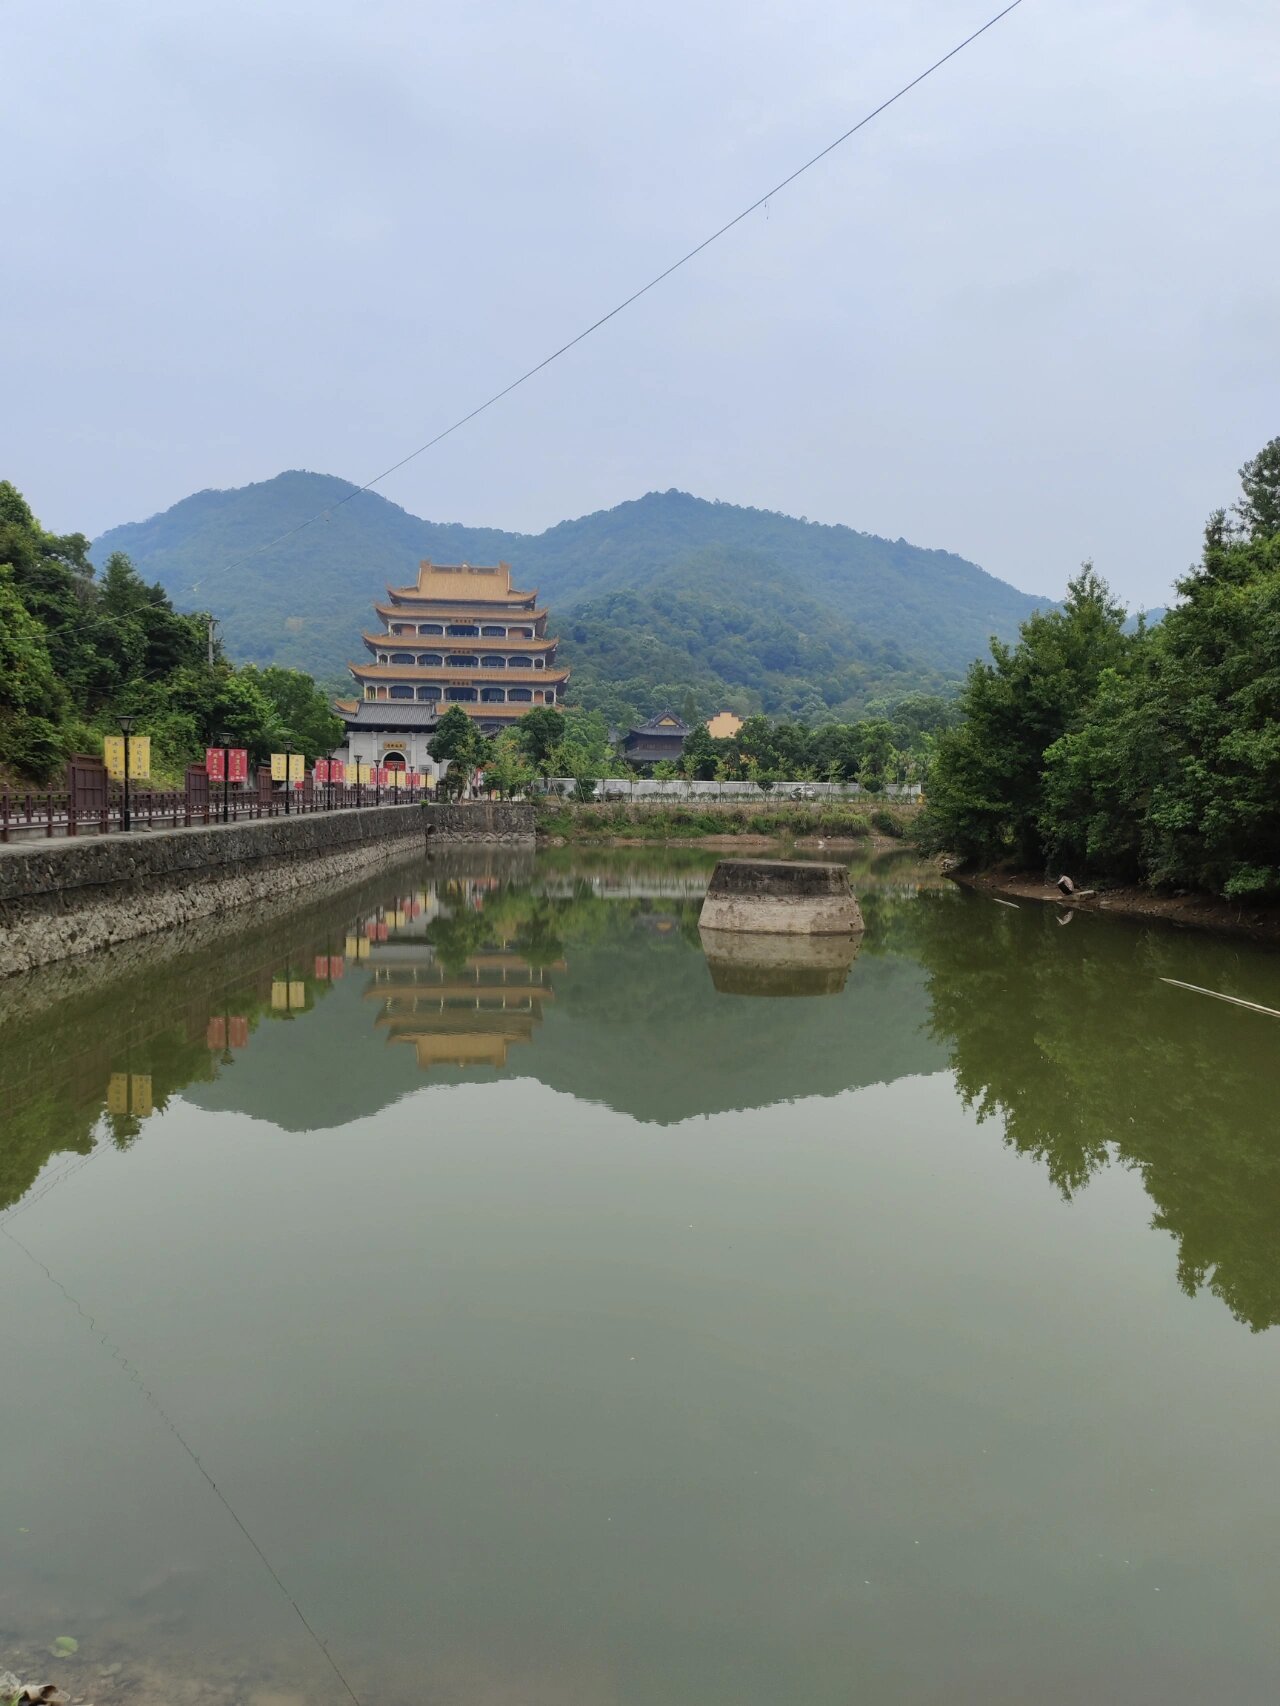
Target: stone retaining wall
[[59, 898], [481, 822], [784, 896]]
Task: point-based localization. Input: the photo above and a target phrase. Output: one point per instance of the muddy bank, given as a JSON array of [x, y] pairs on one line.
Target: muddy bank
[[744, 843], [1190, 911]]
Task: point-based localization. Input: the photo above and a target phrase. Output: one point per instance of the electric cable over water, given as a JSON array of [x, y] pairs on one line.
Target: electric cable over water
[[635, 296], [118, 1355]]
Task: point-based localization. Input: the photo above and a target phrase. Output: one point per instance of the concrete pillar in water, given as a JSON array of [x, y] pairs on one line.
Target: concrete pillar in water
[[788, 897]]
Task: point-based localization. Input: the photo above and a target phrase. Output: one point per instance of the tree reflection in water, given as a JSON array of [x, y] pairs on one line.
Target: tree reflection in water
[[1070, 1038]]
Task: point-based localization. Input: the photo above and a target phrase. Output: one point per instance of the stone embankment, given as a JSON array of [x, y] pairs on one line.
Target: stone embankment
[[483, 823], [59, 898]]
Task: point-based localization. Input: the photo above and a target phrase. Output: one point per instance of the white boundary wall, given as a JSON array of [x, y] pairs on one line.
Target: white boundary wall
[[644, 788]]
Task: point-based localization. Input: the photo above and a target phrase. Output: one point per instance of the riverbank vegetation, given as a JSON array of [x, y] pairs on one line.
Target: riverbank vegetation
[[1150, 755], [660, 820], [78, 649]]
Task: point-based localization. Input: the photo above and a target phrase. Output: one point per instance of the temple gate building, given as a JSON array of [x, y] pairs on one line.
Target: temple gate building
[[462, 636]]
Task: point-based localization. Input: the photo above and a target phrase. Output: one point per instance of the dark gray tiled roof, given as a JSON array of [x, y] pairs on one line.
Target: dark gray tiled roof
[[675, 728], [390, 714]]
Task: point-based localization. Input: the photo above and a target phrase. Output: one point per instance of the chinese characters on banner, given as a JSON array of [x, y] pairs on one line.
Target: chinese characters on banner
[[322, 770], [238, 764], [139, 757], [278, 767], [297, 767], [213, 763]]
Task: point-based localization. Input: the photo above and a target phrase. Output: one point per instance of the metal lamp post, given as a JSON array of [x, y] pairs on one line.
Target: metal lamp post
[[126, 820], [288, 778], [224, 741]]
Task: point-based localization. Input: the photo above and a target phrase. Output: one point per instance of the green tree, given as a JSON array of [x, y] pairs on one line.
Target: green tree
[[541, 732], [986, 794], [1259, 505], [301, 709], [508, 771], [698, 760]]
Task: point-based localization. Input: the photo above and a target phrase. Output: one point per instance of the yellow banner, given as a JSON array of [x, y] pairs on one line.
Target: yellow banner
[[352, 775], [363, 953], [366, 773], [279, 995], [139, 757], [140, 1085], [118, 1093], [297, 766], [352, 946], [279, 772], [297, 994]]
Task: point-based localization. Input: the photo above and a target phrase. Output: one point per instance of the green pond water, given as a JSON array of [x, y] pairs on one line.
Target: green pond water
[[570, 1319]]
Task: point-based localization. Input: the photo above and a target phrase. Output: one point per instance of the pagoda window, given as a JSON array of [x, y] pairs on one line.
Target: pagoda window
[[520, 663], [520, 633], [401, 692], [539, 663], [429, 692], [382, 657], [430, 628], [521, 693], [402, 657], [493, 663], [462, 628], [492, 633], [460, 695], [371, 692], [462, 662], [429, 660], [493, 695], [401, 628]]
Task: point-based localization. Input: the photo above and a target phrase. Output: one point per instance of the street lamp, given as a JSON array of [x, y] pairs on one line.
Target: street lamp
[[288, 777], [126, 726], [224, 741]]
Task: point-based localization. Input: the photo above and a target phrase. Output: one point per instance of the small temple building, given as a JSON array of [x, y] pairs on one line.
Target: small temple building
[[463, 635], [662, 737]]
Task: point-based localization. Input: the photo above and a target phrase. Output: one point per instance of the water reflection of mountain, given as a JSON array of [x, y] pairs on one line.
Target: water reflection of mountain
[[606, 999], [595, 984]]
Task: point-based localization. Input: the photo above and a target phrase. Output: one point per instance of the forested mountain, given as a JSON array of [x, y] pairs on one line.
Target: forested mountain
[[670, 591]]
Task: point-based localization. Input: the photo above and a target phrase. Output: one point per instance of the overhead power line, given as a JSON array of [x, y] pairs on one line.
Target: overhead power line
[[635, 296]]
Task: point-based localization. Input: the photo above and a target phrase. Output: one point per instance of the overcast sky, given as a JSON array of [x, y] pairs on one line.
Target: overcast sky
[[1030, 314]]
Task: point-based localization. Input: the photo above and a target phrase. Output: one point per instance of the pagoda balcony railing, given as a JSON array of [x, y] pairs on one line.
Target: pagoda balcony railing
[[449, 674]]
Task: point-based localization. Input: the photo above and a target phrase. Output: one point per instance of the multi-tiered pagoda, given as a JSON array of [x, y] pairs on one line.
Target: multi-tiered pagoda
[[462, 636]]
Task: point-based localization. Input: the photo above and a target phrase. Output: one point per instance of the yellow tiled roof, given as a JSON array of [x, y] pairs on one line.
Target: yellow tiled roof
[[453, 581]]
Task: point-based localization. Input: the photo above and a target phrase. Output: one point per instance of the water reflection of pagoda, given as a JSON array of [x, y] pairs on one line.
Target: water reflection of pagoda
[[466, 1015]]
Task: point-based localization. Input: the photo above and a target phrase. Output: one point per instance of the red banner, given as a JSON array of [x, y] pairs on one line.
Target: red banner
[[238, 764], [322, 968], [337, 966], [213, 763], [240, 1032], [322, 770], [215, 1035]]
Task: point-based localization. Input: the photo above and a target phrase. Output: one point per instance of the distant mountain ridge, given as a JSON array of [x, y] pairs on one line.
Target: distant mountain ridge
[[663, 593]]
